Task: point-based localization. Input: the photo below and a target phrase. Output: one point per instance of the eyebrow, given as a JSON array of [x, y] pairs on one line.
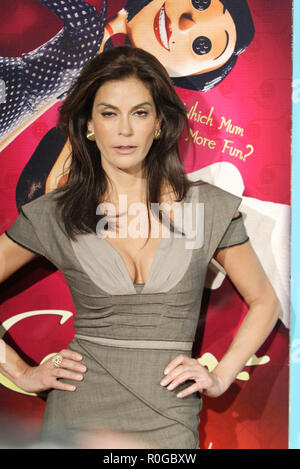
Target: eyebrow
[[146, 103], [227, 42]]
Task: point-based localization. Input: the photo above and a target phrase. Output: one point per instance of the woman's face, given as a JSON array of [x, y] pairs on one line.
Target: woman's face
[[184, 38], [124, 121]]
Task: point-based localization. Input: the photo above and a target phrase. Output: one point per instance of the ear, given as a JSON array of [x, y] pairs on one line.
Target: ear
[[90, 125], [158, 123]]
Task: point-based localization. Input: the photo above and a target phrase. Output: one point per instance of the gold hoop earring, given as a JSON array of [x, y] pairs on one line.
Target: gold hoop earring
[[90, 136], [157, 134]]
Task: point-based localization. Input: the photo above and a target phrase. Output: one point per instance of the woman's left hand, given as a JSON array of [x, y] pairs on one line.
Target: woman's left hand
[[183, 368]]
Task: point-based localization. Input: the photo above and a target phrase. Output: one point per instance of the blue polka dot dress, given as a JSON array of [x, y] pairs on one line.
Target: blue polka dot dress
[[32, 80]]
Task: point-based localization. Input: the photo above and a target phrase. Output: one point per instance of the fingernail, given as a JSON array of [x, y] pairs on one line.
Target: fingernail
[[179, 395], [166, 371]]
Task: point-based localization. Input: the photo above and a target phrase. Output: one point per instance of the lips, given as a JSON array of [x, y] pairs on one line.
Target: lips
[[125, 149], [162, 28]]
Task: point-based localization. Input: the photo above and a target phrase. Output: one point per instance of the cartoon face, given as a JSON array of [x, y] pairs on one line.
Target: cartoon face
[[187, 36]]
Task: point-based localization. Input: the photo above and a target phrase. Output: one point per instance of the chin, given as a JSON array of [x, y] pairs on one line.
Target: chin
[[129, 167]]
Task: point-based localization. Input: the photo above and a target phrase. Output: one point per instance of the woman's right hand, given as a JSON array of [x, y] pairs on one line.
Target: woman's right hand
[[45, 376]]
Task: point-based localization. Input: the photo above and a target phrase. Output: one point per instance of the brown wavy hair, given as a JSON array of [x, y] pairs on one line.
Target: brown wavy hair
[[87, 183]]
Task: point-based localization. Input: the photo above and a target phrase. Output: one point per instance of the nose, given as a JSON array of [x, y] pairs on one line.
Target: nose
[[125, 127], [186, 22]]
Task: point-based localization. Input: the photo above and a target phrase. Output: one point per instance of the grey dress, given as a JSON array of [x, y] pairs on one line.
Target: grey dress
[[128, 333]]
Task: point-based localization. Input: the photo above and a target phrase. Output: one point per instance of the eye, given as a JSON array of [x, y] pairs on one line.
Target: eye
[[107, 114], [141, 113], [201, 4], [201, 45]]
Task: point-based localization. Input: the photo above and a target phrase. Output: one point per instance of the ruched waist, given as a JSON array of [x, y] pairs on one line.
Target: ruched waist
[[138, 344]]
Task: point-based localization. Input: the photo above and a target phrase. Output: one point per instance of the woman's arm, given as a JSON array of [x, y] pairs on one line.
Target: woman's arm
[[32, 378], [247, 275]]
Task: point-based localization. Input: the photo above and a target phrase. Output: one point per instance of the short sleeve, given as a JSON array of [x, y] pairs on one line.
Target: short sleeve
[[235, 234], [221, 227], [23, 233]]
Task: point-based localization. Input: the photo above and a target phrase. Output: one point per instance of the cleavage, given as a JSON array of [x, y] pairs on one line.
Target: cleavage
[[137, 256], [137, 253]]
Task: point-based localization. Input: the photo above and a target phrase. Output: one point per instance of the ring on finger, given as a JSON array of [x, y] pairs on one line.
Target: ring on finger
[[57, 360]]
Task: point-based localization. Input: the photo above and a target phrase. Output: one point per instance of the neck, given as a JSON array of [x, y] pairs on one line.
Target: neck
[[132, 185]]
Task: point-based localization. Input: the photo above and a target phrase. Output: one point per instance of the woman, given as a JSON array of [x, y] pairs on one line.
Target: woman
[[137, 298]]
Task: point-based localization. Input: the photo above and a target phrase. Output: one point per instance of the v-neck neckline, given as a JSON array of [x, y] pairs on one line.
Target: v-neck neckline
[[125, 270], [162, 244]]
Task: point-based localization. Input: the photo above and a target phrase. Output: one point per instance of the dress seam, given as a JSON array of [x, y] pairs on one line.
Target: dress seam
[[236, 244], [159, 411]]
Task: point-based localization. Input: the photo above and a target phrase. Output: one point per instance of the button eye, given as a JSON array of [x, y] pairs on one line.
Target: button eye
[[201, 45], [201, 4]]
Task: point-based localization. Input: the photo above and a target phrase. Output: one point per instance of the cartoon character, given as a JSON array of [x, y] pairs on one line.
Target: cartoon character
[[198, 41], [36, 80]]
